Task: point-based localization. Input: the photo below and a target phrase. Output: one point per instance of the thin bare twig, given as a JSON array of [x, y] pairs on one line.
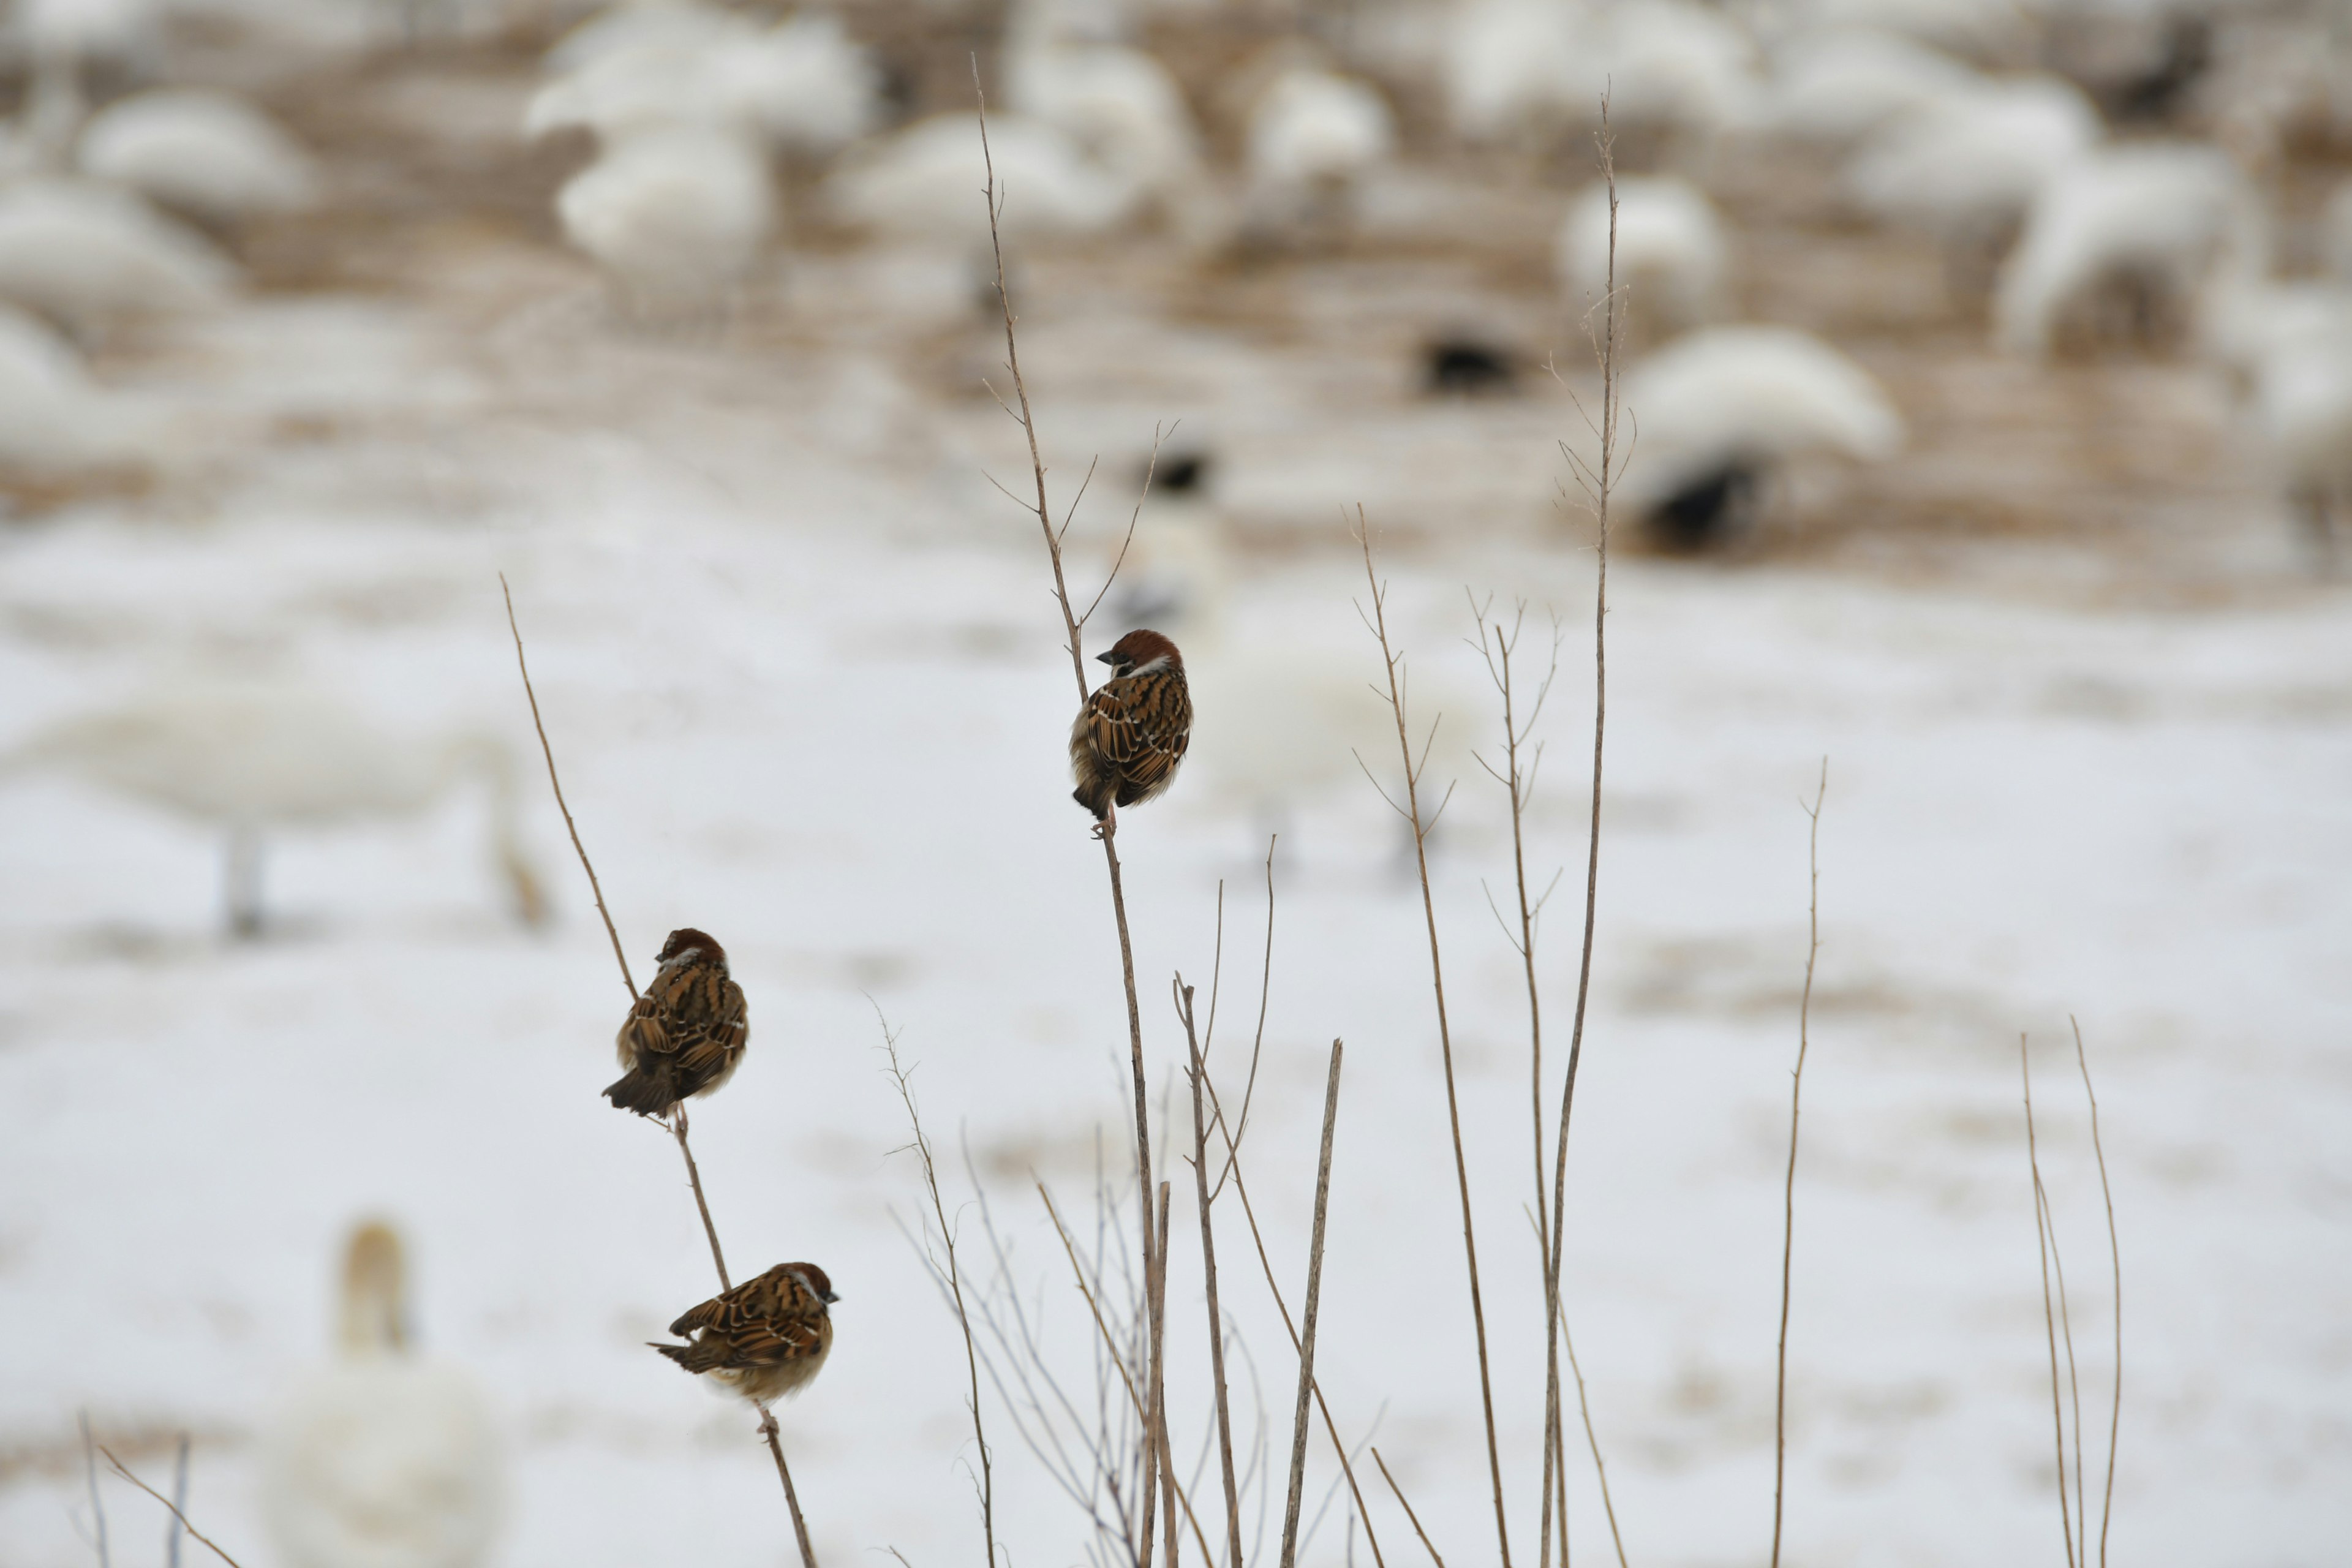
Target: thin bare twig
[[1593, 1440], [1274, 1289], [1159, 1377], [1133, 1395], [922, 1148], [1598, 485], [1208, 1270], [1257, 1041], [678, 1118], [1397, 1492], [1496, 647], [1289, 1558], [548, 753], [2115, 1258], [179, 1504], [2043, 1240], [1789, 1191], [1071, 626], [90, 1472], [124, 1471], [1392, 661]]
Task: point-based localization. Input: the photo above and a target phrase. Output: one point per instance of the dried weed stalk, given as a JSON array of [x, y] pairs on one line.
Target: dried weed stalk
[[1074, 627], [953, 1274], [1392, 664], [1789, 1188], [180, 1518], [677, 1120]]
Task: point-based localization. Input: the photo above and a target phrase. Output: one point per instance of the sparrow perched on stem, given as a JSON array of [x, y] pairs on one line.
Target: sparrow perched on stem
[[765, 1338], [684, 1036], [1133, 731]]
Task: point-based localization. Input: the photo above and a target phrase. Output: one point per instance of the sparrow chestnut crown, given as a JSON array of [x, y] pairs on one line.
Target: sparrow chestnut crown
[[685, 940], [1140, 651]]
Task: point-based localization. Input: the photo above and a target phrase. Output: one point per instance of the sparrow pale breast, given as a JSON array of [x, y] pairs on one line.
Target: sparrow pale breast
[[765, 1338], [1131, 733], [686, 1034]]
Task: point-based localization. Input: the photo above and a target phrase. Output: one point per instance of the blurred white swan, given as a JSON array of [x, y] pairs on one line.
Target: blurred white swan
[[211, 155], [1964, 168], [1671, 254], [802, 86], [1313, 137], [1837, 86], [57, 423], [676, 215], [1722, 410], [2131, 232], [253, 759], [90, 256], [382, 1458], [1121, 109], [924, 183]]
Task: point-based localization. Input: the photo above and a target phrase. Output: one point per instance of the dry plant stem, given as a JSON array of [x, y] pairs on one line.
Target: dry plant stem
[[1597, 483], [1274, 1289], [1411, 811], [678, 1120], [2074, 1380], [1518, 781], [179, 1504], [1071, 625], [1208, 1270], [1788, 1190], [701, 1204], [1257, 1042], [89, 1474], [548, 753], [2115, 1259], [1134, 1397], [1397, 1492], [124, 1471], [784, 1474], [1592, 1439], [2049, 1317], [1159, 1377], [1314, 1304], [923, 1147]]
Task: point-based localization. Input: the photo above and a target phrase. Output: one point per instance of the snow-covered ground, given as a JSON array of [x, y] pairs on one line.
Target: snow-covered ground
[[803, 677]]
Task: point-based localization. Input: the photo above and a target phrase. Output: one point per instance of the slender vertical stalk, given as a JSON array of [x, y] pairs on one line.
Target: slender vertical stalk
[[176, 1529], [97, 1505], [922, 1148], [1160, 1381], [1208, 1270], [1072, 624], [2116, 1259], [1289, 1558], [1597, 484], [1411, 811], [2042, 1239], [677, 1122], [1399, 1491], [1788, 1189]]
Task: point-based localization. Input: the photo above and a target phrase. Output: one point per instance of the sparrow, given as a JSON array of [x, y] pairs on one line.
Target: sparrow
[[684, 1036], [765, 1338], [1132, 733]]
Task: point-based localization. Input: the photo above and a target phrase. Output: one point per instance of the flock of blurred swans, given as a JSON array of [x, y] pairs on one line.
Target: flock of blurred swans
[[2123, 191]]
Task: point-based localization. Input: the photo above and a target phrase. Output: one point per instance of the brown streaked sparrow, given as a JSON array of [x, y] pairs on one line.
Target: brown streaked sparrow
[[686, 1034], [1132, 733], [765, 1338]]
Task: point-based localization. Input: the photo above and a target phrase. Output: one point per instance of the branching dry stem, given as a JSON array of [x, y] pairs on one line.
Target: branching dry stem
[[676, 1123]]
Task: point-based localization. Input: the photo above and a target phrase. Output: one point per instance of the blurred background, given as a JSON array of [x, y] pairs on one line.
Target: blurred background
[[1989, 375]]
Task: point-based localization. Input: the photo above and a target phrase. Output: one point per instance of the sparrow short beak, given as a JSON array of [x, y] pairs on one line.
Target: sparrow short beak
[[830, 1297], [1107, 657]]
